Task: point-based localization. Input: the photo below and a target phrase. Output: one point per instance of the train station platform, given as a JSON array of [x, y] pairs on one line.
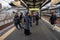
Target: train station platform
[[40, 32], [44, 31]]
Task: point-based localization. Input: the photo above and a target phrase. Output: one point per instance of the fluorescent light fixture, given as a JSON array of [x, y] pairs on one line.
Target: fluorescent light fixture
[[34, 9], [47, 5], [44, 7]]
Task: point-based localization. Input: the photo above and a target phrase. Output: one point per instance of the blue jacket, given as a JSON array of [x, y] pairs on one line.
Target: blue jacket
[[27, 23], [16, 20]]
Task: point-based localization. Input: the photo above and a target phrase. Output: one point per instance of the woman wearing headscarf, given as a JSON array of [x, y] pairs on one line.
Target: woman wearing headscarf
[[27, 24]]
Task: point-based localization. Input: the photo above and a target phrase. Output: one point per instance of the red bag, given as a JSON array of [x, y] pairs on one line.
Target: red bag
[[55, 21]]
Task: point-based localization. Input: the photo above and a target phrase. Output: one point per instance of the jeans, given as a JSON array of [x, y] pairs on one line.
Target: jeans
[[18, 25]]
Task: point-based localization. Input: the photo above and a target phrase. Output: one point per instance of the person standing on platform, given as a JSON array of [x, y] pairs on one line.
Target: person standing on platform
[[30, 17], [16, 21], [34, 15], [53, 19], [27, 24], [37, 19], [21, 17]]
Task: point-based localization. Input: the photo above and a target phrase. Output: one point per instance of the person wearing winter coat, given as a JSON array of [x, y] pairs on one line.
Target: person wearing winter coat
[[53, 18], [30, 19], [27, 24], [37, 19], [21, 17], [16, 21]]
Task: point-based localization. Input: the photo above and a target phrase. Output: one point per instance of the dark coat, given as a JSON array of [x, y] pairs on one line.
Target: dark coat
[[37, 17], [21, 17], [27, 22], [53, 19], [16, 20]]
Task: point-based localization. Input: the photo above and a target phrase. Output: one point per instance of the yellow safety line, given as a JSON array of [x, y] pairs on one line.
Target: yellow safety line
[[7, 33], [56, 27]]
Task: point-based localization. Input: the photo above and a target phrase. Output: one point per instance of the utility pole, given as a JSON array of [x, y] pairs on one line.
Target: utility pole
[[27, 8]]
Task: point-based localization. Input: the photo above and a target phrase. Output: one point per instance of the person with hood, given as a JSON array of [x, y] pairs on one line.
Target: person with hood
[[27, 24]]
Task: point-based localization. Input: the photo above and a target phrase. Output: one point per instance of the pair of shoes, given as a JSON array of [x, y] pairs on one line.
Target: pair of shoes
[[36, 24], [28, 34]]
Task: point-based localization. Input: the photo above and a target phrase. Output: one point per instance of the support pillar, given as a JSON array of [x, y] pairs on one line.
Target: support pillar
[[40, 11]]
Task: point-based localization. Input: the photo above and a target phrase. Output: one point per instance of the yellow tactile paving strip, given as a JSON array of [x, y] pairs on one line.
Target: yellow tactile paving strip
[[14, 28], [7, 33], [55, 27]]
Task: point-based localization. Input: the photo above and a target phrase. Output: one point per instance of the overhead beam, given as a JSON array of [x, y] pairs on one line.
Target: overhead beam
[[24, 3], [46, 3], [57, 3]]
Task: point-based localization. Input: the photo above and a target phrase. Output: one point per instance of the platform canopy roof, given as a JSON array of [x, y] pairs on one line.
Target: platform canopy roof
[[32, 3], [35, 3], [54, 4]]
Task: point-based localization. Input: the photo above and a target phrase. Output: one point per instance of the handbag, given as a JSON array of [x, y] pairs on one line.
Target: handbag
[[55, 21]]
